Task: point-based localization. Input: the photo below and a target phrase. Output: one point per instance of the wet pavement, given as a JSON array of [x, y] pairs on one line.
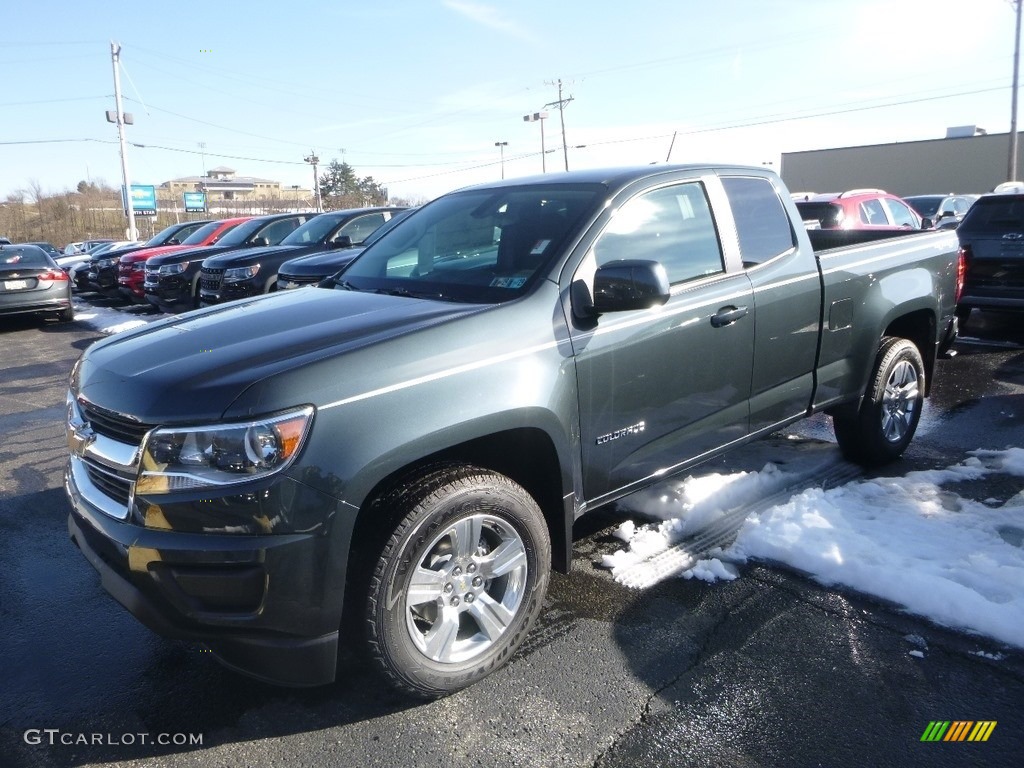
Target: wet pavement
[[771, 669]]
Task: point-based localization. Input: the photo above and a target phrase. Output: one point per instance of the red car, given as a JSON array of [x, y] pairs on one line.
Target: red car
[[857, 209], [131, 270]]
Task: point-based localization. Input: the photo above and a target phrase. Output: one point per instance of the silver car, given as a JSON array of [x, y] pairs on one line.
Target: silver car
[[30, 281]]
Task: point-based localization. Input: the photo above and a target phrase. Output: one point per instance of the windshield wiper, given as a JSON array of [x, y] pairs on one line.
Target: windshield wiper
[[345, 284]]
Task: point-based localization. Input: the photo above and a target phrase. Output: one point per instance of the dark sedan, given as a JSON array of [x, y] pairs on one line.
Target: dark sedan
[[944, 211], [311, 269], [30, 281], [249, 273]]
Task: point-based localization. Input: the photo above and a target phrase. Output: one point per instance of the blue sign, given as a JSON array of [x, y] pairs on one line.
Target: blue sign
[[143, 199], [195, 202]]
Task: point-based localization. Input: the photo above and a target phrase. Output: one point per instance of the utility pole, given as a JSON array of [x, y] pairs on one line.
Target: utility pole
[[115, 56], [312, 159], [1011, 169], [561, 104]]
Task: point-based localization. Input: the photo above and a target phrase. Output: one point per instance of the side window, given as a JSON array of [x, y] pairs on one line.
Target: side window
[[762, 223], [277, 231], [902, 216], [872, 212], [361, 228], [672, 225]]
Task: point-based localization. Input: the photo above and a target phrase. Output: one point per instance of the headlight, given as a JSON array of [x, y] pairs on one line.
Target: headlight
[[240, 273], [185, 458], [173, 269]]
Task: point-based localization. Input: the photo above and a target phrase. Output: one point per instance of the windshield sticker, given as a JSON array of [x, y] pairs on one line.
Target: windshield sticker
[[540, 247], [508, 282]]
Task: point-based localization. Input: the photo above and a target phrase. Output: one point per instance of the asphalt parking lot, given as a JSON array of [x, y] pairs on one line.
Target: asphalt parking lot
[[770, 669]]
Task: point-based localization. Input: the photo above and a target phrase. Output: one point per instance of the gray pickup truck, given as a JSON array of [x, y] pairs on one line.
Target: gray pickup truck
[[398, 455]]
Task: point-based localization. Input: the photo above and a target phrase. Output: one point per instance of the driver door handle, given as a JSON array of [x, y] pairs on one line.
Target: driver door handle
[[727, 316]]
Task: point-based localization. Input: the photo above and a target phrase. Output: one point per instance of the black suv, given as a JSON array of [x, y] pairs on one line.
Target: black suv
[[992, 236], [240, 275], [172, 280]]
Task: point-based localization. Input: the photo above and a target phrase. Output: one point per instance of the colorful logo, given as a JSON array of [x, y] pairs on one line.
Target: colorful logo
[[958, 730]]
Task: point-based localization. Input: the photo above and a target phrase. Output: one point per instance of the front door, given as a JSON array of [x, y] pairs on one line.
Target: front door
[[661, 387]]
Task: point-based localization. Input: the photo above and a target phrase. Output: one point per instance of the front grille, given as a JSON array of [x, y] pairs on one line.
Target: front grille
[[114, 425], [152, 277], [300, 280], [114, 486], [211, 279]]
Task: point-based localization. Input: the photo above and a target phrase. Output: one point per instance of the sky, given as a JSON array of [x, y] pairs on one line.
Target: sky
[[913, 541], [416, 93]]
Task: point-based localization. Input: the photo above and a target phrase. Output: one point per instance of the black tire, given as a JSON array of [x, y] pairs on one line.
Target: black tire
[[478, 546], [66, 315], [882, 428]]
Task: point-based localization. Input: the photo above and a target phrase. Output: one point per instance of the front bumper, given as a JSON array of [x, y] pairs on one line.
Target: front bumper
[[267, 605]]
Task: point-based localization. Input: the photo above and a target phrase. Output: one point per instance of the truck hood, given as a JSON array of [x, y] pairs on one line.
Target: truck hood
[[246, 256], [143, 254], [191, 367], [326, 263]]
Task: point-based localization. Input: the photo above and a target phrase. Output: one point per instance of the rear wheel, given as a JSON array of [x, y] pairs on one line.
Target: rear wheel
[[882, 428], [459, 582], [66, 315]]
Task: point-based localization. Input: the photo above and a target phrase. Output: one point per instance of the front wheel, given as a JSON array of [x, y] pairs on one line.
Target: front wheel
[[881, 430], [459, 582]]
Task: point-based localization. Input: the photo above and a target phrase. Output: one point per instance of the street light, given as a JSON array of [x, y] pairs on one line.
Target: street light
[[501, 148], [312, 159], [539, 117]]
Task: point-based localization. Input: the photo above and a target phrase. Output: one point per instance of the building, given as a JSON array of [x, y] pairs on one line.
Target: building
[[961, 164], [221, 184]]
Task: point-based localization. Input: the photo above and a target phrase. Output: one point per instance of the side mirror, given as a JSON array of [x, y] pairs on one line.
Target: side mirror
[[630, 284], [260, 241], [341, 241], [174, 241], [926, 223]]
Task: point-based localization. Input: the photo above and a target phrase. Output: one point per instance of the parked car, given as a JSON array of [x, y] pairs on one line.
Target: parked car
[[52, 252], [260, 231], [73, 249], [858, 209], [404, 450], [64, 262], [172, 280], [31, 281], [943, 211], [992, 238], [131, 267], [104, 278], [4, 241], [254, 270], [311, 269]]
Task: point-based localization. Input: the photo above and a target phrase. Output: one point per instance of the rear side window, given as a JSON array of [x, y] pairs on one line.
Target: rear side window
[[999, 213], [873, 214], [902, 216], [762, 224], [672, 225]]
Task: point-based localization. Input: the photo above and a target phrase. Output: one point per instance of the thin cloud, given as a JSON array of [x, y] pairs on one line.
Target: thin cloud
[[491, 17]]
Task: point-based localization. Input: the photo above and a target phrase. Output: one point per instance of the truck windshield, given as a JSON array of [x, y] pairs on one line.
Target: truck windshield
[[480, 246]]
